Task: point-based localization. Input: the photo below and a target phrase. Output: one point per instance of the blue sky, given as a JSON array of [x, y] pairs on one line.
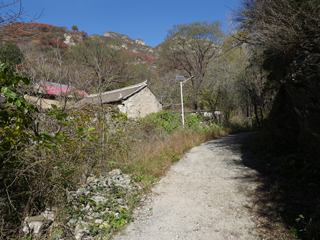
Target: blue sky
[[147, 20]]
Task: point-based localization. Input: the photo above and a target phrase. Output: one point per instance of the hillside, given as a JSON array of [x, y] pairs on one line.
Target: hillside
[[43, 36], [136, 46], [47, 36]]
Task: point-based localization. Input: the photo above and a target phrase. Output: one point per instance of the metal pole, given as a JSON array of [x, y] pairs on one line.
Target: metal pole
[[182, 112], [182, 81]]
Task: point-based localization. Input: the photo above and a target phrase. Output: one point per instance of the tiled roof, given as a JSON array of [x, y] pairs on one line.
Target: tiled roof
[[111, 96]]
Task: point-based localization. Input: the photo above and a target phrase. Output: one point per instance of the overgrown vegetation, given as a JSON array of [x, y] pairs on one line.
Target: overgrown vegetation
[[263, 76], [285, 34], [46, 154]]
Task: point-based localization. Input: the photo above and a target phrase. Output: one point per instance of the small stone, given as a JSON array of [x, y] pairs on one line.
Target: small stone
[[80, 192], [98, 199], [98, 221], [90, 179], [95, 215], [72, 221]]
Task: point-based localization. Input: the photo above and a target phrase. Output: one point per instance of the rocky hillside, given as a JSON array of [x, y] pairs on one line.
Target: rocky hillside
[[42, 36], [46, 36], [136, 46]]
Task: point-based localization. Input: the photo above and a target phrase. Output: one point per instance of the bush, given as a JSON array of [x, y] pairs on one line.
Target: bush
[[10, 53], [164, 122]]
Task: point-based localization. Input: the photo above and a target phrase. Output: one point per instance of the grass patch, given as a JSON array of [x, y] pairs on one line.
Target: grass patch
[[154, 158]]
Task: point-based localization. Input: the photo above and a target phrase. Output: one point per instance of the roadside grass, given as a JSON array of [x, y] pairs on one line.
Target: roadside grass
[[155, 142], [154, 158]]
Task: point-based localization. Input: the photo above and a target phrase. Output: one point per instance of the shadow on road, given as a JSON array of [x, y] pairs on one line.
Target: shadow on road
[[285, 203]]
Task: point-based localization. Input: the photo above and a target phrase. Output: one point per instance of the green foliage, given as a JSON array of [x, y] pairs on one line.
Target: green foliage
[[15, 117], [168, 122], [10, 53], [241, 125], [74, 28], [164, 121], [193, 121], [146, 179]]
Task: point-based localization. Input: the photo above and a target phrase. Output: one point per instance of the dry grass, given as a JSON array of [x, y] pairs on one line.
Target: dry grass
[[152, 159]]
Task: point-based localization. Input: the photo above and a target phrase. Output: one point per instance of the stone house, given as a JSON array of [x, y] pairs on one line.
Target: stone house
[[136, 100]]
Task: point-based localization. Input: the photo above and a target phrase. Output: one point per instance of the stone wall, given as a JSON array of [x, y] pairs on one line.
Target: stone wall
[[42, 102], [141, 104]]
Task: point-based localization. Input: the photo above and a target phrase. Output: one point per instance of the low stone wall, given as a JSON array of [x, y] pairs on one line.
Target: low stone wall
[[94, 210]]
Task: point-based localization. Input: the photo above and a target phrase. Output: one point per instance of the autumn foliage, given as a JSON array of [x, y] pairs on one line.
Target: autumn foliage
[[45, 36]]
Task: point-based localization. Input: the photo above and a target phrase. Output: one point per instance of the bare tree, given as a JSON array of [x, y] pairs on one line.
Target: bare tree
[[190, 48], [107, 61], [277, 25]]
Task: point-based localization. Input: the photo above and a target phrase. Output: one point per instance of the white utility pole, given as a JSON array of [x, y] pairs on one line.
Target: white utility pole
[[182, 80]]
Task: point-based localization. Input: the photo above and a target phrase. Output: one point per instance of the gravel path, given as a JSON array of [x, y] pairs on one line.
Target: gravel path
[[203, 196]]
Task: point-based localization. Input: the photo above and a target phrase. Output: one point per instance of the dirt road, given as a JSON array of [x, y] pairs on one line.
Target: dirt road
[[203, 196]]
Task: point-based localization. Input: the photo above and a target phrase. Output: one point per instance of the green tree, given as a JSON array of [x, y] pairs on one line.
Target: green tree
[[10, 53], [189, 48], [74, 28]]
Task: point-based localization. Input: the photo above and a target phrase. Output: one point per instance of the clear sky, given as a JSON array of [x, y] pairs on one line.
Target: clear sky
[[148, 20]]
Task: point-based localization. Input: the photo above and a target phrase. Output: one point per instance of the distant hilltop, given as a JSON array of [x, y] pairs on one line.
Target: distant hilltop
[[136, 46], [45, 36]]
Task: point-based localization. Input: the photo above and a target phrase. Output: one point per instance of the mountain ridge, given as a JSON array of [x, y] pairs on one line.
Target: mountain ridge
[[46, 36]]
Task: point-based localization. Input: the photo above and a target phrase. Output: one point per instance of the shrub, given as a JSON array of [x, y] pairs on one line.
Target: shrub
[[10, 53], [164, 121]]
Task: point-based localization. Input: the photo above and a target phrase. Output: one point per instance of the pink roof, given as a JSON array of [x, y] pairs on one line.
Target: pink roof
[[58, 89]]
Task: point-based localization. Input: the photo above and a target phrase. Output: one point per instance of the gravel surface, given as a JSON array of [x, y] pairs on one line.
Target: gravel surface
[[203, 196]]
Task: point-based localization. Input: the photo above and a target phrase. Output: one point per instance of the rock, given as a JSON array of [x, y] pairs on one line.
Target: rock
[[115, 172], [89, 218], [36, 224], [95, 215], [80, 191], [82, 227], [73, 221], [91, 179], [98, 199], [88, 206], [48, 214], [98, 221], [100, 190]]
